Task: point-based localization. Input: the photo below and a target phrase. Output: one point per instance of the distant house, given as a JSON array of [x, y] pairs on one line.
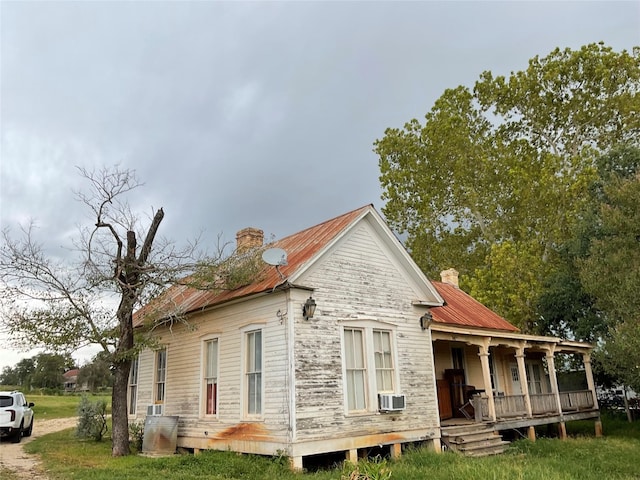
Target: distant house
[[71, 381], [385, 358]]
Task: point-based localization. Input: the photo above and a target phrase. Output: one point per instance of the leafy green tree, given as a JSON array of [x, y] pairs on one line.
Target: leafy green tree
[[49, 370], [9, 376], [496, 176], [97, 373], [566, 307], [25, 369], [610, 272]]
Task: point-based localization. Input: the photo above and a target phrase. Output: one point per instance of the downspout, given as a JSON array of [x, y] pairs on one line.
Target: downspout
[[290, 341]]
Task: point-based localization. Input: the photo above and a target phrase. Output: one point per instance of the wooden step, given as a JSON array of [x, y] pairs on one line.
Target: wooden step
[[468, 428], [486, 451], [474, 440], [464, 437]]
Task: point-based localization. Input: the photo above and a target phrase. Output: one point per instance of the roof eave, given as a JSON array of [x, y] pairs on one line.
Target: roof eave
[[485, 332]]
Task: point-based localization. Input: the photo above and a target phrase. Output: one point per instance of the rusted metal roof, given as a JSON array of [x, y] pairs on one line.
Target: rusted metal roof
[[463, 310], [460, 308], [71, 373], [301, 247]]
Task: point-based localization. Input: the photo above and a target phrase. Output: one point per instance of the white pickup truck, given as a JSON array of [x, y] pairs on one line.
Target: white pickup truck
[[16, 416]]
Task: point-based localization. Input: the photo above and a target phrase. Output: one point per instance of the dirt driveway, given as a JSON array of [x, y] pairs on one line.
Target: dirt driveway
[[13, 457]]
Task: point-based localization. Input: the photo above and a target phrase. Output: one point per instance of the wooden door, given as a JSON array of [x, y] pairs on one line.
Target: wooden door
[[444, 399], [456, 379]]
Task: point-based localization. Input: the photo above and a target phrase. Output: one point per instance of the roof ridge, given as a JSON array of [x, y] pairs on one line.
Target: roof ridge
[[317, 225]]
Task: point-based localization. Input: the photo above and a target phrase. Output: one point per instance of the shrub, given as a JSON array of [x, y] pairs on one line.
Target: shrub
[[92, 419], [136, 435]]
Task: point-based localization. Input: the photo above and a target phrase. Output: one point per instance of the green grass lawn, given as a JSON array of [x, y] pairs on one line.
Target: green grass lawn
[[549, 459], [615, 456], [60, 406]]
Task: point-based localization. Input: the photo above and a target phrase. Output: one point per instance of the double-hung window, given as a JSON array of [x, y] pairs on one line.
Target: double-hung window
[[492, 373], [211, 377], [253, 372], [356, 384], [534, 378], [133, 386], [369, 365], [161, 375], [384, 360]]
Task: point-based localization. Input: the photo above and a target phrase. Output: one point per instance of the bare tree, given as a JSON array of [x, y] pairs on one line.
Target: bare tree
[[63, 305]]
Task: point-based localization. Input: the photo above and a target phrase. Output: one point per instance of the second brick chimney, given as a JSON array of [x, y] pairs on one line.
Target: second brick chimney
[[450, 276]]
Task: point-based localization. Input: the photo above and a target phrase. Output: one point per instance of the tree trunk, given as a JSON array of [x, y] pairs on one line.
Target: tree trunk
[[128, 274], [119, 411], [122, 365]]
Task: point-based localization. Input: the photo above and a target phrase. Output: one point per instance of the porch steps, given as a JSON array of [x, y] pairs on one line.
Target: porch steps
[[473, 440]]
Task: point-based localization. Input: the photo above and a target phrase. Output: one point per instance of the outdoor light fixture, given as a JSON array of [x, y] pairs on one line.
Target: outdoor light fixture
[[425, 320], [309, 308]]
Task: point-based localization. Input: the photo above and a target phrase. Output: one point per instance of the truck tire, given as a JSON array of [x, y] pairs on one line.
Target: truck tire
[[27, 432], [18, 435]]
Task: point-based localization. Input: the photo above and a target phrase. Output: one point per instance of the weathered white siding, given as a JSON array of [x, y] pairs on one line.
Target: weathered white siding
[[184, 392], [361, 279]]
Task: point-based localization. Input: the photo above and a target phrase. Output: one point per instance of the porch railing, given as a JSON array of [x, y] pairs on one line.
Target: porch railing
[[541, 404], [578, 400], [509, 405]]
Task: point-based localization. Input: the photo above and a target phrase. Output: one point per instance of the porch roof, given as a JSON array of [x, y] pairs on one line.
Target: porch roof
[[515, 339], [463, 310]]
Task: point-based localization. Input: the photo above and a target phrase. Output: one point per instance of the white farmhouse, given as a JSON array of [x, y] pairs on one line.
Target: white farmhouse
[[387, 358]]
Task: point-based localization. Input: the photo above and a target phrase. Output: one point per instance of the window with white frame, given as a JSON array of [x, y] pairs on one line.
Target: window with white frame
[[211, 376], [253, 372], [369, 365], [133, 386], [355, 369], [384, 361], [492, 373], [160, 376], [457, 358], [534, 378]]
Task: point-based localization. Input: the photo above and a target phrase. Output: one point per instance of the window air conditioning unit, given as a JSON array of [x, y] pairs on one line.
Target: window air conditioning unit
[[155, 410], [391, 402]]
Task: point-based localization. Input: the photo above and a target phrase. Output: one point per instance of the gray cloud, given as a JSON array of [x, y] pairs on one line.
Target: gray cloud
[[242, 114]]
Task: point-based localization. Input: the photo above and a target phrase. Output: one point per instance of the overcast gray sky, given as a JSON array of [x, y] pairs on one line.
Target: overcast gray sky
[[240, 114]]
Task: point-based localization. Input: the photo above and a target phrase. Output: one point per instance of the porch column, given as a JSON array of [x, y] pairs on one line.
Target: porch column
[[524, 384], [483, 353], [586, 358], [553, 378]]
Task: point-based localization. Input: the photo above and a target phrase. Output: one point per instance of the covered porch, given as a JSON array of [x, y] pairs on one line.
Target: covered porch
[[509, 379]]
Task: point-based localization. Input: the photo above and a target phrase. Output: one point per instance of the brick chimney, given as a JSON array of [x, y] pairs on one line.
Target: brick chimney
[[450, 276], [249, 238]]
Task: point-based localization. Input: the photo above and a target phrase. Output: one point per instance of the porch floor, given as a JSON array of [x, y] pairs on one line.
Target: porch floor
[[456, 421]]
